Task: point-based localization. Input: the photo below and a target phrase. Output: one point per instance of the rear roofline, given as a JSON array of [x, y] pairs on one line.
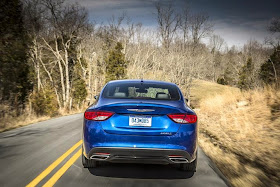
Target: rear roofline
[[106, 101], [139, 80]]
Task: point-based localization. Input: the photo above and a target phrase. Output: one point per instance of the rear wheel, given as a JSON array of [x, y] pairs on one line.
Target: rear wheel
[[189, 166], [87, 163]]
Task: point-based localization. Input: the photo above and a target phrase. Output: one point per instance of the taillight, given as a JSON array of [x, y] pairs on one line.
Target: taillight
[[98, 115], [183, 118]]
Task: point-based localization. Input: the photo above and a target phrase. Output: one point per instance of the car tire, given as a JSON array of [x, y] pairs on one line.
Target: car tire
[[189, 166], [88, 163]]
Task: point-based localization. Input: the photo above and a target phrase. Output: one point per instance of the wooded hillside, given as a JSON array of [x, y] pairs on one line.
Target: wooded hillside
[[54, 60]]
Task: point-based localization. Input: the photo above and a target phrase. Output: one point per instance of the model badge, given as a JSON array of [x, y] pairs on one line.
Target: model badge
[[166, 133], [141, 110]]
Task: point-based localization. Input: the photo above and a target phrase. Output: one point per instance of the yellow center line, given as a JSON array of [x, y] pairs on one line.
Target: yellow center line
[[53, 165], [63, 169]]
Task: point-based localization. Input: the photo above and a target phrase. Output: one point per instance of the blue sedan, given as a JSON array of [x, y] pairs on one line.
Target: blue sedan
[[140, 121]]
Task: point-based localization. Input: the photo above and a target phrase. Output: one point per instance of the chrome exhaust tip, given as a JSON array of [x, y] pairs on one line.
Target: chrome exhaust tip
[[100, 156], [178, 159]]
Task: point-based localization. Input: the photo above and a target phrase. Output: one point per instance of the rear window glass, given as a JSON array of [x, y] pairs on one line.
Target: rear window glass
[[141, 91]]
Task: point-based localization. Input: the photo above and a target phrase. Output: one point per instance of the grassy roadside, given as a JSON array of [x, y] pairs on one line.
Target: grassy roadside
[[200, 90], [10, 122], [240, 132]]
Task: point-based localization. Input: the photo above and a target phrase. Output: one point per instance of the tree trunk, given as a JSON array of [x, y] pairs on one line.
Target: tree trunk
[[62, 83], [67, 80]]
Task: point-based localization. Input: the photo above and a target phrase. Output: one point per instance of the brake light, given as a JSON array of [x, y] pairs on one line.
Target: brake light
[[183, 118], [98, 115]]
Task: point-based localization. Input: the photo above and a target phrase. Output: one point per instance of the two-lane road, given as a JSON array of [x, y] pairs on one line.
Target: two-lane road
[[48, 153]]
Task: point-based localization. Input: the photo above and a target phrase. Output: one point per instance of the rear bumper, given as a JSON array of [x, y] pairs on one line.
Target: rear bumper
[[124, 148], [139, 155]]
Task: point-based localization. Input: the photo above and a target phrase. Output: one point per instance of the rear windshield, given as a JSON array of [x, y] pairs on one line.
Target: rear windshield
[[141, 91]]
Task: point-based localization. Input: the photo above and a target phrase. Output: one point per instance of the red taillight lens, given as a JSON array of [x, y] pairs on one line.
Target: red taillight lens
[[183, 118], [98, 115]]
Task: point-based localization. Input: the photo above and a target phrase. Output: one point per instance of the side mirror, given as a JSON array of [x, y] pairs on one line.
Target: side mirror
[[96, 97]]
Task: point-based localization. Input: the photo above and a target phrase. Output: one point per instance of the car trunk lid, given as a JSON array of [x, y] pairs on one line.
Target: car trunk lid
[[155, 114]]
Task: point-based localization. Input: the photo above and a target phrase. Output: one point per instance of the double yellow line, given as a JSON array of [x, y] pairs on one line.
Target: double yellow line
[[62, 170]]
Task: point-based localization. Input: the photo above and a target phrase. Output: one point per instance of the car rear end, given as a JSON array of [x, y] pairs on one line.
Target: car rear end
[[140, 122]]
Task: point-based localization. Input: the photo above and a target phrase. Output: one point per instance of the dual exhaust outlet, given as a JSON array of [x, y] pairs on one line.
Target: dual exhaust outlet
[[178, 159], [100, 156], [172, 158]]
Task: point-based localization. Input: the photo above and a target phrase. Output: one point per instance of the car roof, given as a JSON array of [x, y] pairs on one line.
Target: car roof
[[141, 80]]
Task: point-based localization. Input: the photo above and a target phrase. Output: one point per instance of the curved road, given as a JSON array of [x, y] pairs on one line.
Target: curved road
[[48, 153]]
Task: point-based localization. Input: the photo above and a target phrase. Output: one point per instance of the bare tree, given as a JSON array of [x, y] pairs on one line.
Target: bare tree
[[33, 18], [200, 27], [274, 26], [275, 29], [168, 22], [185, 25], [216, 42], [66, 22], [113, 31]]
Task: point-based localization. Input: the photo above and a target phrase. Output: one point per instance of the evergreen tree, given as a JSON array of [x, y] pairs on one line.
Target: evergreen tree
[[79, 91], [14, 68], [270, 70], [44, 102], [225, 79], [116, 64], [245, 75], [221, 80]]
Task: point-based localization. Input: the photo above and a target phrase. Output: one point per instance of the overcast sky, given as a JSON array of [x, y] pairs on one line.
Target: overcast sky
[[237, 21]]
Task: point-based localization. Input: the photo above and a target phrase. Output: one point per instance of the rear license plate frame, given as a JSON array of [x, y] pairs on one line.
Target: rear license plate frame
[[135, 122]]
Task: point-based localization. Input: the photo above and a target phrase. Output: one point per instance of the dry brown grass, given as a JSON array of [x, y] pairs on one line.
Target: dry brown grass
[[240, 131], [204, 89], [9, 122]]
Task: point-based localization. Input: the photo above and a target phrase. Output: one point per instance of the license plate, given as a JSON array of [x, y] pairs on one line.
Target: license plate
[[143, 121]]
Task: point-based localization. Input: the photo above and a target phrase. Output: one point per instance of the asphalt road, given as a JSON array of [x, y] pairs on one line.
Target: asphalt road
[[35, 155]]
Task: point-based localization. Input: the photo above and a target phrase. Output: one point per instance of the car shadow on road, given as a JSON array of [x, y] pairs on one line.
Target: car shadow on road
[[140, 171]]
